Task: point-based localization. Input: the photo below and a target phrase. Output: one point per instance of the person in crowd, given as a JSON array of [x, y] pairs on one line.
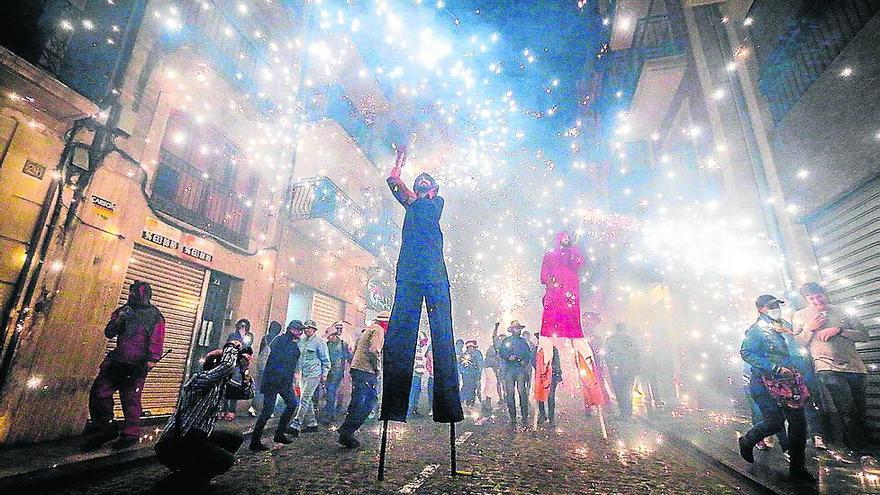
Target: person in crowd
[[262, 355], [277, 379], [189, 445], [340, 356], [314, 363], [241, 333], [366, 363], [764, 349], [830, 334], [493, 364], [622, 357], [419, 372], [429, 370], [764, 443], [471, 367], [815, 411], [139, 330], [517, 358], [547, 411]]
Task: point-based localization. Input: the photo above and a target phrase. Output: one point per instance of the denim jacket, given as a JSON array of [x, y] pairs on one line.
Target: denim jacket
[[764, 349]]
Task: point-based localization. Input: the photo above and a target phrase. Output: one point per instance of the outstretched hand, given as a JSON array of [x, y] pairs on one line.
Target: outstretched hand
[[401, 156]]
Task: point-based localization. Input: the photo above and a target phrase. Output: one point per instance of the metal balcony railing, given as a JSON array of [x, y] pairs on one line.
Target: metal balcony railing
[[796, 42], [318, 197], [184, 192]]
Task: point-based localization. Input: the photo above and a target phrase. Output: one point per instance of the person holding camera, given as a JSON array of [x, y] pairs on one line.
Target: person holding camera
[[517, 357], [188, 445], [139, 330]]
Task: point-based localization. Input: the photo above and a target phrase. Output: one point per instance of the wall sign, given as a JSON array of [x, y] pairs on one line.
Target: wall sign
[[103, 203], [160, 240], [176, 242], [34, 169]]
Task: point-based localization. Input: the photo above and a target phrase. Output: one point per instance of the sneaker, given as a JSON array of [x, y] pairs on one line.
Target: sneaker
[[747, 454], [348, 441], [786, 456], [819, 443], [258, 446], [252, 412], [124, 442], [282, 438], [311, 429], [800, 475]]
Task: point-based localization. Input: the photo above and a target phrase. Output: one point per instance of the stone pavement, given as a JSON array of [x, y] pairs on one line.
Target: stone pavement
[[572, 459], [714, 434]]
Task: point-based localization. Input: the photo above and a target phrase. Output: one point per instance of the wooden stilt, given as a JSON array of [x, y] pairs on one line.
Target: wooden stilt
[[602, 422], [452, 467], [382, 449]]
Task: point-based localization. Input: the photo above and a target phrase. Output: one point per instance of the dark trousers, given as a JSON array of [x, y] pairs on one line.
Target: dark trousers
[[773, 419], [331, 394], [470, 382], [622, 382], [269, 397], [550, 412], [101, 400], [198, 455], [516, 380], [364, 396], [400, 349], [848, 392]]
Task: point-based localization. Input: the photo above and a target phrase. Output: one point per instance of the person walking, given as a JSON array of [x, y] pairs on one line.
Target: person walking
[[517, 358], [241, 333], [278, 376], [262, 355], [830, 335], [340, 356], [366, 362], [139, 330], [623, 362], [314, 363], [189, 445], [420, 371], [493, 364], [764, 349], [471, 365]]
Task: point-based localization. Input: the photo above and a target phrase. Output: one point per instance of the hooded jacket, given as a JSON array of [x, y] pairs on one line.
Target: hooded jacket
[[138, 326]]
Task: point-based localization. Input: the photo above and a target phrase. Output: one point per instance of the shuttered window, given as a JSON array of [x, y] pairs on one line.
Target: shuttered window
[[326, 310], [846, 236], [177, 292]]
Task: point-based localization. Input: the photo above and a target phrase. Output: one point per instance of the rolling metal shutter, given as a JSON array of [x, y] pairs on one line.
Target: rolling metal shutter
[[846, 237], [326, 310], [177, 292]]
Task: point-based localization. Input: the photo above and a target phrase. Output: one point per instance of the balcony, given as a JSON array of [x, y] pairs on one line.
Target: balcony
[[318, 198], [796, 42], [186, 193]]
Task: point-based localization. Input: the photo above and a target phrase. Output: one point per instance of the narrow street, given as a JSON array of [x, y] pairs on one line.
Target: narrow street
[[574, 459]]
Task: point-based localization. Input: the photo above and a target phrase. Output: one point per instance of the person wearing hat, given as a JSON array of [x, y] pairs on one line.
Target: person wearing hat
[[471, 365], [517, 358], [277, 379], [765, 350], [314, 364], [340, 355], [830, 334], [366, 362]]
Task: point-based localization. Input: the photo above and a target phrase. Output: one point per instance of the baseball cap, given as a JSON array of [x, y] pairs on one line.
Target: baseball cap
[[766, 300], [310, 324]]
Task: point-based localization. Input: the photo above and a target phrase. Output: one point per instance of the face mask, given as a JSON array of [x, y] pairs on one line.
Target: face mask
[[775, 313]]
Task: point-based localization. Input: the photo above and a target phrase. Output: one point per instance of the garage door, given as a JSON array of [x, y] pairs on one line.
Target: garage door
[[177, 292], [846, 236]]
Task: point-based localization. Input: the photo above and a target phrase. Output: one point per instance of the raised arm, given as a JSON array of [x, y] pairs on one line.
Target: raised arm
[[402, 193]]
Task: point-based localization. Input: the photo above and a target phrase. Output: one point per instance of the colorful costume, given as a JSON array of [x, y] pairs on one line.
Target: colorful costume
[[562, 302]]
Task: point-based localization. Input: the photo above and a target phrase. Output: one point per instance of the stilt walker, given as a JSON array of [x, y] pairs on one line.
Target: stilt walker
[[421, 276], [561, 319]]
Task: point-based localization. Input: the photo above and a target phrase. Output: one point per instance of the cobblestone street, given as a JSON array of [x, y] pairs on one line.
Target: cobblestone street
[[574, 459]]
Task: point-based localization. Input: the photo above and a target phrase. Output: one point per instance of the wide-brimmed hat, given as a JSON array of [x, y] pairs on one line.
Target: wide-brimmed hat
[[383, 316], [334, 329], [310, 324], [515, 324]]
